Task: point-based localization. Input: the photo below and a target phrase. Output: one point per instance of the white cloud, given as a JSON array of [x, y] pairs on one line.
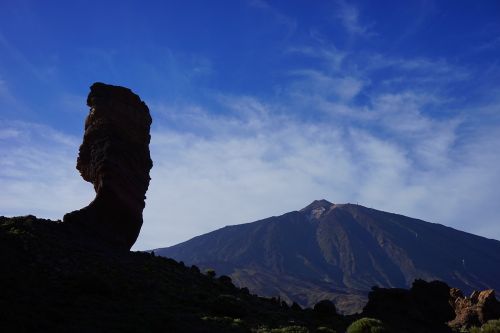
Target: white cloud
[[8, 102], [318, 83], [37, 172], [331, 56], [349, 16]]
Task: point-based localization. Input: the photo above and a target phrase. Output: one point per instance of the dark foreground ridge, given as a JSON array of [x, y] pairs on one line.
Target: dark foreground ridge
[[56, 279], [114, 156]]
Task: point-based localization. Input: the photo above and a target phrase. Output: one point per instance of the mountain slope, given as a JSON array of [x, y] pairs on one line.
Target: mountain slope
[[339, 252]]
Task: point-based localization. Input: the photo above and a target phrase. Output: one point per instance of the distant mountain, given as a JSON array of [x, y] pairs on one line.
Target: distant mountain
[[339, 251]]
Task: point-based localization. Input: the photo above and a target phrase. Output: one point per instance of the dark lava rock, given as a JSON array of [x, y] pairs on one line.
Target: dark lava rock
[[474, 310], [114, 156], [425, 306], [325, 308]]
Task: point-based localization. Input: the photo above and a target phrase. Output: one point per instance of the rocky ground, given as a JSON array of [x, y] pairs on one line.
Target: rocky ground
[[55, 279]]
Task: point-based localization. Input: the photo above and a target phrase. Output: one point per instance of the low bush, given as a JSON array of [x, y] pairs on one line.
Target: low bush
[[225, 323], [210, 273], [323, 329], [325, 308], [228, 305], [492, 326], [287, 329], [367, 325]]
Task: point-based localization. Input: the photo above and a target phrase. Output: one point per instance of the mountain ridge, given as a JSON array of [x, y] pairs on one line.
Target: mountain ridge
[[339, 251]]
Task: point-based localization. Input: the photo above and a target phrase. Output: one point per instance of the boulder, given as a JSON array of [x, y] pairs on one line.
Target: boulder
[[424, 308], [474, 310], [325, 308]]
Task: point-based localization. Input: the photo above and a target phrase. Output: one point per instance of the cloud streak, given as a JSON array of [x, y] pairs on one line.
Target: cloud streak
[[37, 172], [349, 16]]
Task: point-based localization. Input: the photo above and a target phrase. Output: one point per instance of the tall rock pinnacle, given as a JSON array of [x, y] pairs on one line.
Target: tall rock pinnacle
[[114, 156]]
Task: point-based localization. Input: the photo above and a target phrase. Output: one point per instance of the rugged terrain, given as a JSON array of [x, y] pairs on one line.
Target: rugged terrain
[[54, 278], [332, 251]]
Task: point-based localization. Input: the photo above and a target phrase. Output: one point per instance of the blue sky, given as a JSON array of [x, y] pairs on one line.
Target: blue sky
[[260, 107]]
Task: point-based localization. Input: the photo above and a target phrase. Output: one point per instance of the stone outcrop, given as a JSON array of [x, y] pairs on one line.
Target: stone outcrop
[[114, 157], [475, 310], [425, 306]]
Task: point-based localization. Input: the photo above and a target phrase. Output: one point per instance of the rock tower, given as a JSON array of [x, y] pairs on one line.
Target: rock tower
[[114, 157]]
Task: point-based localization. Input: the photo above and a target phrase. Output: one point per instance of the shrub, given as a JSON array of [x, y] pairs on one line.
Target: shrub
[[287, 329], [228, 305], [224, 279], [292, 329], [492, 326], [325, 308], [210, 273], [234, 324], [367, 325]]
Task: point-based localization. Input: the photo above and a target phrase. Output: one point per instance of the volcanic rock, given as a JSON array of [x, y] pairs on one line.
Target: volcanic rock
[[114, 157], [474, 310], [425, 305]]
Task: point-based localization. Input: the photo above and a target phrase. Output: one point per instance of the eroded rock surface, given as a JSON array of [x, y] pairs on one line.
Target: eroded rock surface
[[114, 157], [475, 310]]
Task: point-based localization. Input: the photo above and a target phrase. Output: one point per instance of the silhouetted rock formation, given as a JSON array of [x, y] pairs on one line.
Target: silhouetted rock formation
[[114, 156], [426, 305], [325, 308], [474, 310]]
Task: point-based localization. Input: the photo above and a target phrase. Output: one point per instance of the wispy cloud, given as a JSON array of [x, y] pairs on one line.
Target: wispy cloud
[[44, 73], [348, 14], [286, 21], [315, 82], [8, 101], [37, 171], [329, 55]]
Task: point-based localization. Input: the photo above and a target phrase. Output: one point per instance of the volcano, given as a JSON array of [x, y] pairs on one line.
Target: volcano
[[339, 252]]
